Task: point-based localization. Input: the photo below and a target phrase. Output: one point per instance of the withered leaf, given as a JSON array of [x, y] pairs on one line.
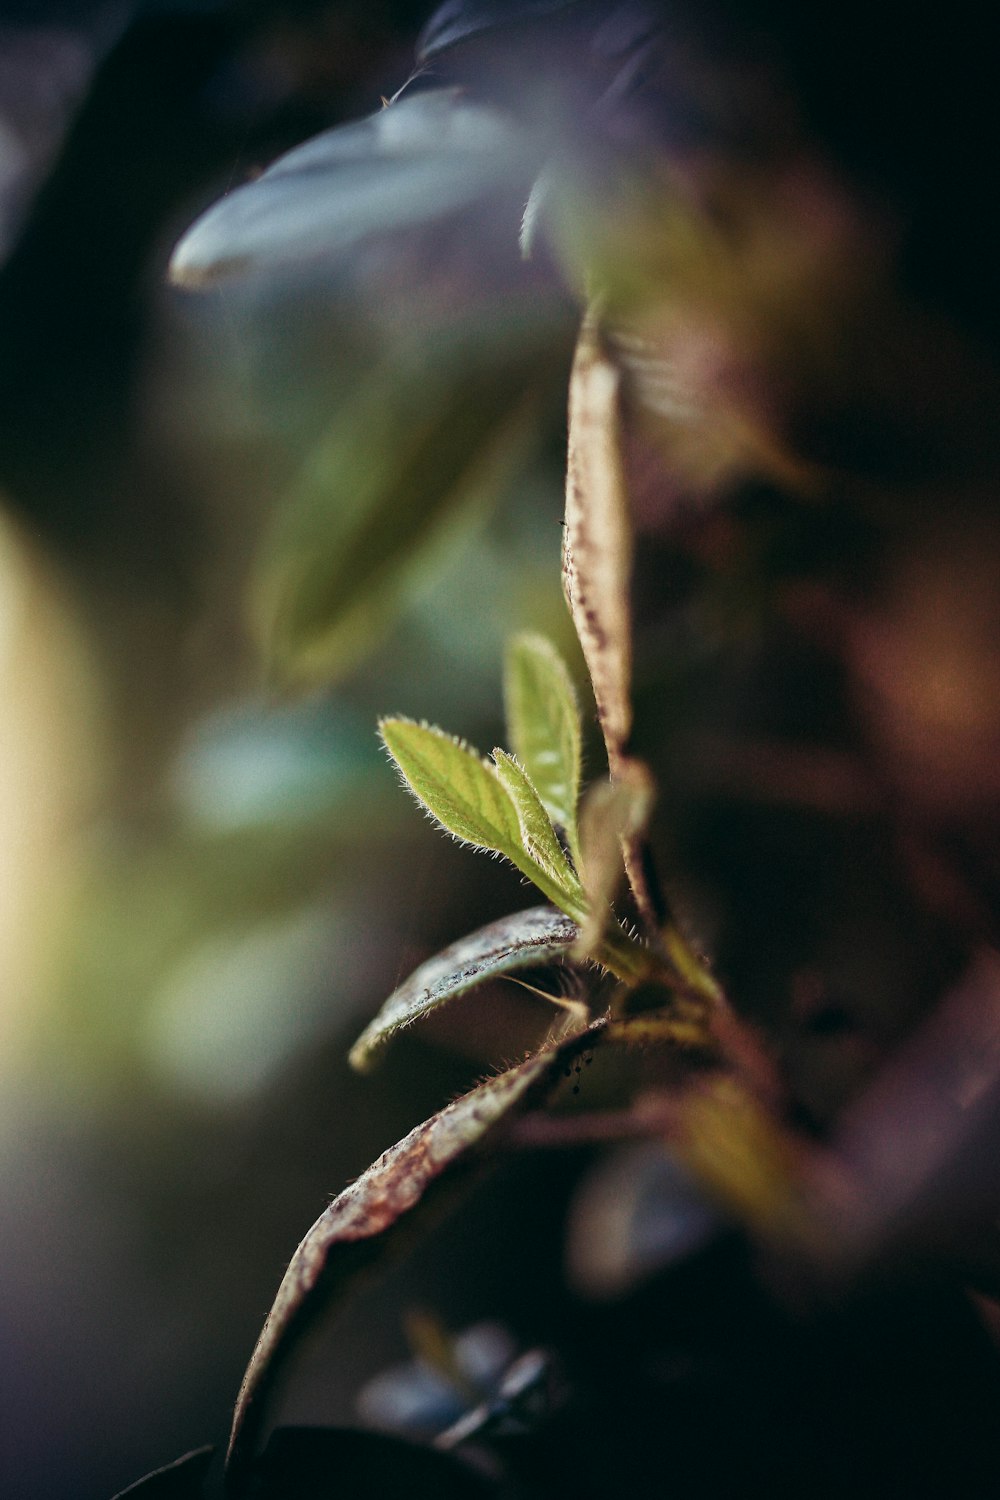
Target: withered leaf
[[597, 547], [535, 936], [614, 815], [359, 1225]]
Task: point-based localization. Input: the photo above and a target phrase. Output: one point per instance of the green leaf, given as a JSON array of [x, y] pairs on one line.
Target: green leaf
[[597, 546], [543, 724], [363, 1222], [460, 789], [536, 936], [538, 837]]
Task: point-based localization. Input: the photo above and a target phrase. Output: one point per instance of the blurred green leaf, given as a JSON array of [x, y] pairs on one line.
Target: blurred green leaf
[[543, 724], [421, 449], [524, 939]]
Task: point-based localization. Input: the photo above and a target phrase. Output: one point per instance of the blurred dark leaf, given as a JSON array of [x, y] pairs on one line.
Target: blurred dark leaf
[[416, 160], [314, 1463], [138, 144], [449, 1372], [524, 939], [636, 1212], [181, 1480]]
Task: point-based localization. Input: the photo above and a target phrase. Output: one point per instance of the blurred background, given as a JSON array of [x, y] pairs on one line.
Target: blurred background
[[209, 877]]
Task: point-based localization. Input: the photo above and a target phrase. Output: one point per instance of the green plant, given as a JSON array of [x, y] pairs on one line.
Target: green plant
[[710, 320]]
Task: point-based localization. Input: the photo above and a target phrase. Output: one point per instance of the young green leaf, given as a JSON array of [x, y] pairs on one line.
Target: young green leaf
[[543, 724], [460, 789], [360, 1224], [536, 936], [538, 837], [492, 807]]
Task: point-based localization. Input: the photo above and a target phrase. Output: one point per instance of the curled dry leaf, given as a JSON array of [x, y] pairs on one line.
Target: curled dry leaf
[[597, 565], [360, 1224], [614, 815], [536, 936], [597, 547]]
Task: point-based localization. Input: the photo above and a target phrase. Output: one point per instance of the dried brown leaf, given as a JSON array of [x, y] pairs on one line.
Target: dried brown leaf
[[597, 547], [358, 1226]]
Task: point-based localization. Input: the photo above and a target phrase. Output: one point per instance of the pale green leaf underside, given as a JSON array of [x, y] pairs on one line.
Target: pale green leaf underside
[[536, 936], [543, 724], [597, 541], [351, 1234]]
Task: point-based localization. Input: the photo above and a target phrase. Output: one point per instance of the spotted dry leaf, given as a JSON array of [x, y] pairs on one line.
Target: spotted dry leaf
[[613, 818], [357, 1227]]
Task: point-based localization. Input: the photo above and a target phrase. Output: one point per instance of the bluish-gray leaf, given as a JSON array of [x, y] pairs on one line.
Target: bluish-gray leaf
[[417, 159]]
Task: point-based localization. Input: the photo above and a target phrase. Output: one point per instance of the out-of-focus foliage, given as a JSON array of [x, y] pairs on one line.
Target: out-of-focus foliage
[[342, 440]]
